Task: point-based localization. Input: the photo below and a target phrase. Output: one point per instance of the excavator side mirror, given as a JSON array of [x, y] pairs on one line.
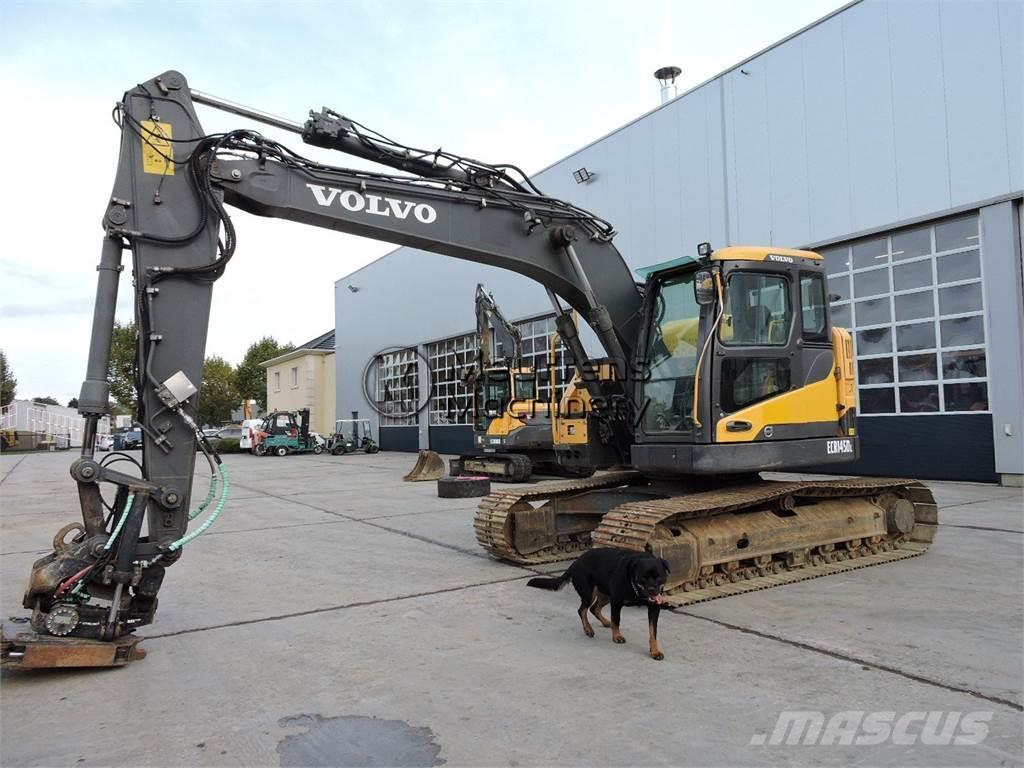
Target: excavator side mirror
[[704, 288]]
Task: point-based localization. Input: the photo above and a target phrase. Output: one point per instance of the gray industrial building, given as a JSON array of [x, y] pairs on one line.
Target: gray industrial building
[[888, 136]]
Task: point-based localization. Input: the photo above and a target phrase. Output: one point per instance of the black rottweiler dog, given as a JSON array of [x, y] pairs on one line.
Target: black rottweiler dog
[[619, 577]]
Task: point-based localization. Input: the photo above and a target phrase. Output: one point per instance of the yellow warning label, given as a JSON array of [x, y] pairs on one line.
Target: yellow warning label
[[157, 150]]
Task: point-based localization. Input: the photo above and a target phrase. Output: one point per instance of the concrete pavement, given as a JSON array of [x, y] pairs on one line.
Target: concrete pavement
[[337, 616]]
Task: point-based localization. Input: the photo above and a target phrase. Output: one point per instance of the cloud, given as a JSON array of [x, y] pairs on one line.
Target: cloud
[[47, 308]]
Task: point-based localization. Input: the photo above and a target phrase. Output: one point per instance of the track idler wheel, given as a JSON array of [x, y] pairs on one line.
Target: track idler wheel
[[899, 516]]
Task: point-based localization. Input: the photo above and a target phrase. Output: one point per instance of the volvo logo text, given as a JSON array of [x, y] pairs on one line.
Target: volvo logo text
[[354, 201]]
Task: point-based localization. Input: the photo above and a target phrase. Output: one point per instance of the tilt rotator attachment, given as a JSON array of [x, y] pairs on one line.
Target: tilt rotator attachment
[[90, 590], [101, 581], [89, 595]]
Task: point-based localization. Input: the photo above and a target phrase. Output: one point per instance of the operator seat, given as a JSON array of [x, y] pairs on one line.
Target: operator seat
[[754, 326]]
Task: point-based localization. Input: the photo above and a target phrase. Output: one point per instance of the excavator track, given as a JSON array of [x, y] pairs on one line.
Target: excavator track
[[888, 520], [493, 520]]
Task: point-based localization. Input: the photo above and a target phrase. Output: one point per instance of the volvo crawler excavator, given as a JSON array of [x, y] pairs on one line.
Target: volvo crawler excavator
[[726, 366], [514, 432]]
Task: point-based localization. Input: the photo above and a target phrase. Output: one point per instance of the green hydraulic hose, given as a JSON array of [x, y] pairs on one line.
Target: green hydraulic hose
[[225, 488], [120, 523], [206, 502]]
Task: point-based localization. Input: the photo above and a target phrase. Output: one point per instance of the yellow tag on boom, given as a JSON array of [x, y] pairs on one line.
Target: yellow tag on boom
[[157, 150]]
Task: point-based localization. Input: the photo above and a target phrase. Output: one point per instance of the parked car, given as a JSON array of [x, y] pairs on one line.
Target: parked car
[[249, 429], [231, 431], [214, 435], [124, 441], [104, 442]]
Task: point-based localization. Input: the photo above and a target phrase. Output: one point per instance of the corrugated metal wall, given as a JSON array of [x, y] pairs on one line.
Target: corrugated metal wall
[[881, 113]]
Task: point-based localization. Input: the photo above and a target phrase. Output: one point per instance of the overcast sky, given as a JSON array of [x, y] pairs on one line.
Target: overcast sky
[[521, 82]]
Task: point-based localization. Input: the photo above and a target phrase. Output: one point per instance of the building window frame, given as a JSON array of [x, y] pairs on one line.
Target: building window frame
[[938, 348], [397, 387], [536, 333], [450, 399]]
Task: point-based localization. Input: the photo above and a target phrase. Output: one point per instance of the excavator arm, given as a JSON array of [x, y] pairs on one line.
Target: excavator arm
[[487, 314], [169, 207]]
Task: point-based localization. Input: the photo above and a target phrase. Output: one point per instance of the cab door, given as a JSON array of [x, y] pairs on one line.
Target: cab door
[[773, 357]]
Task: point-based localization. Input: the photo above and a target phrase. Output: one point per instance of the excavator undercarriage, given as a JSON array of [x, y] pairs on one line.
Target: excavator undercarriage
[[740, 538]]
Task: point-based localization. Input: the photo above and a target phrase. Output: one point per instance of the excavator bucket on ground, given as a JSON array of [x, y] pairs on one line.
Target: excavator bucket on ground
[[429, 466]]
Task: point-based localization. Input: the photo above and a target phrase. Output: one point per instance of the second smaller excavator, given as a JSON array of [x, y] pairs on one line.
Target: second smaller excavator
[[514, 431]]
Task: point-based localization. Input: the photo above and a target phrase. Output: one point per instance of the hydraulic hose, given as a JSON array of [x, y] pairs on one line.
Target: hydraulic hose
[[120, 522], [205, 502], [210, 493], [223, 500]]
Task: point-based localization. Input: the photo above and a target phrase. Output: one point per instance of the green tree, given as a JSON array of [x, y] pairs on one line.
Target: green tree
[[73, 402], [250, 378], [217, 396], [8, 384], [122, 366], [45, 400]]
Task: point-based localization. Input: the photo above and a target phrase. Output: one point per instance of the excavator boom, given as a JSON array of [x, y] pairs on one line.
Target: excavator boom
[[716, 370]]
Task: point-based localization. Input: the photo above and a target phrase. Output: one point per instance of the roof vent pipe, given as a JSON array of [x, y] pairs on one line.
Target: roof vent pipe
[[667, 77]]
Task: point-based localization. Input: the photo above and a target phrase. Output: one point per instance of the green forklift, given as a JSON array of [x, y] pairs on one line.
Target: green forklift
[[285, 432]]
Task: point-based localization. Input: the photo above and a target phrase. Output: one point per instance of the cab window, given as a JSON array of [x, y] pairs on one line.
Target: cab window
[[492, 394], [756, 312], [671, 357], [812, 307], [526, 387], [749, 380]]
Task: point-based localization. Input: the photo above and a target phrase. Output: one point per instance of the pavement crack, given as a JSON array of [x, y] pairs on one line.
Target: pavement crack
[[26, 552], [331, 608], [980, 528], [412, 514], [276, 527], [11, 470], [974, 501], [407, 534], [855, 660], [427, 540]]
